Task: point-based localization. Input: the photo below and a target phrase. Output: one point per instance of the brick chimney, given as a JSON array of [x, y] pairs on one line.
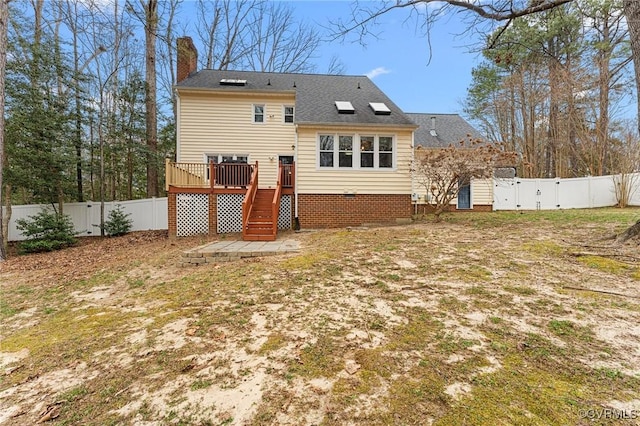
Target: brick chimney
[[187, 61]]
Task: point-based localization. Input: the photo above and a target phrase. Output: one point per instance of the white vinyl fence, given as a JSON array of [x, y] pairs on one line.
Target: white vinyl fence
[[553, 194], [147, 214]]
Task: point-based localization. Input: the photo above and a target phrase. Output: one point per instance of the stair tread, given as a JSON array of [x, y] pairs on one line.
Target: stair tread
[[260, 222]]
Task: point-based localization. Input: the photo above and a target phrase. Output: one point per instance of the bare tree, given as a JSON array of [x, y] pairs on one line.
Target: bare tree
[[627, 159], [277, 43], [631, 10], [443, 172], [150, 30], [167, 66], [336, 66], [365, 15], [221, 26]]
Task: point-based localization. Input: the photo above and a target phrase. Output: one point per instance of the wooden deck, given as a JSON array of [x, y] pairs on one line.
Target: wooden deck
[[233, 178], [260, 207]]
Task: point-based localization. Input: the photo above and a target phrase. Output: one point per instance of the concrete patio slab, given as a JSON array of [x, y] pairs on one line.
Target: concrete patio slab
[[225, 251]]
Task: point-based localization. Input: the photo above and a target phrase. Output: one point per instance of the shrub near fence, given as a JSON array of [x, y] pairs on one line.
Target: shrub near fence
[[553, 194], [147, 214]]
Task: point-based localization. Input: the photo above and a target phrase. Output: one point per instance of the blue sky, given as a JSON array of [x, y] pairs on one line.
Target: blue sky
[[401, 57]]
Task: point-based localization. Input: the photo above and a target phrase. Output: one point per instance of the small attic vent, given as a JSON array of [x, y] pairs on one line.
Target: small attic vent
[[379, 108], [345, 107], [433, 133], [233, 82]]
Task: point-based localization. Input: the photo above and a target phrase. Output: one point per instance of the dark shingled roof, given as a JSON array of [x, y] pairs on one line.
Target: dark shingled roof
[[315, 95], [450, 129]]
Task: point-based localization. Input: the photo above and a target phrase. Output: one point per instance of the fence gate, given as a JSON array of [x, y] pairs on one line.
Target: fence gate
[[192, 212]]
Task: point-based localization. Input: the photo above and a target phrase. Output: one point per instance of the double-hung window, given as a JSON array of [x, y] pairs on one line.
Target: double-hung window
[[385, 152], [288, 113], [345, 156], [258, 113], [326, 150], [366, 152]]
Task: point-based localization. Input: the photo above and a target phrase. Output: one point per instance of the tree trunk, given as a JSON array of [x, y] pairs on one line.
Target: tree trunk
[[631, 232], [4, 223], [551, 146], [631, 9], [4, 18], [78, 119], [151, 28]]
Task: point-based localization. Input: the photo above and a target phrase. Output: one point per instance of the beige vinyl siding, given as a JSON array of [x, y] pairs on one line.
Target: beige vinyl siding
[[313, 180], [212, 123], [482, 192]]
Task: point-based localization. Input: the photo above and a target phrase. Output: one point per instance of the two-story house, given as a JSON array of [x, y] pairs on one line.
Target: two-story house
[[256, 151]]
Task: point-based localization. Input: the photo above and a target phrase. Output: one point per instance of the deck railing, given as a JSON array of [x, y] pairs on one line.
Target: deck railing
[[199, 175], [190, 175], [247, 203], [286, 172], [233, 175]]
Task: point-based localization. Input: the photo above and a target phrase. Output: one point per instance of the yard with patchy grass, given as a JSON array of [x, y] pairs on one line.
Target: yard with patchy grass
[[483, 319]]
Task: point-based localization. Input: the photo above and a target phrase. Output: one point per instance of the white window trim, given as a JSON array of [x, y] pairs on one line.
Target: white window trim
[[284, 109], [356, 152], [253, 113]]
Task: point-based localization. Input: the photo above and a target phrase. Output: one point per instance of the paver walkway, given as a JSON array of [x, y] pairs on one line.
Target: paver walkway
[[225, 251]]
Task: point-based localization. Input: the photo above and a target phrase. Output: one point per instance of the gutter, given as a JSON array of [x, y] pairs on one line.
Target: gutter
[[382, 126]]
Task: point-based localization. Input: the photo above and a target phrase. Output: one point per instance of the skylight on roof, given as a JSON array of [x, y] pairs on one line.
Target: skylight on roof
[[345, 107], [233, 82], [379, 108]]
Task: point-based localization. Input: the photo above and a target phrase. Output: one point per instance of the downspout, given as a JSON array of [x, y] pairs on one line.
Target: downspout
[[296, 220]]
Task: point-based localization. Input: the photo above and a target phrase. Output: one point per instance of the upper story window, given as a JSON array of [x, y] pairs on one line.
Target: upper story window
[[356, 151], [288, 114], [258, 113]]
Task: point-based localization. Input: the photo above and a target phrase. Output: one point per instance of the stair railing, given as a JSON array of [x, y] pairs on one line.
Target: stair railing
[[275, 203], [249, 197]]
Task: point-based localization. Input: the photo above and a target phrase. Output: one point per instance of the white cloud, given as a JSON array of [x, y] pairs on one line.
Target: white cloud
[[377, 71]]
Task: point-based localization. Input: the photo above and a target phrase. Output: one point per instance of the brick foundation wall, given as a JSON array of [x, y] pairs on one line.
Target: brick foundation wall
[[172, 208], [427, 209], [336, 210]]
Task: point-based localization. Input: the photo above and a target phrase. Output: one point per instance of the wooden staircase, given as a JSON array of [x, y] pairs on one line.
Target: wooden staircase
[[260, 224]]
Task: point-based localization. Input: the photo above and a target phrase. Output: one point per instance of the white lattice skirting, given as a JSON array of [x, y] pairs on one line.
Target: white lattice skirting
[[229, 213], [192, 212], [284, 216], [229, 217]]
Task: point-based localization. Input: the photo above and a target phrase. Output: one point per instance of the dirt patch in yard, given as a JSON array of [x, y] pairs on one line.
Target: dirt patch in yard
[[484, 319]]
